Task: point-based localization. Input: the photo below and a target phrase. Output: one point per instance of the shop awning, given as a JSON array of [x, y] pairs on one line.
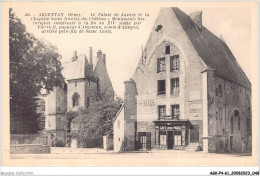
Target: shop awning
[[180, 122]]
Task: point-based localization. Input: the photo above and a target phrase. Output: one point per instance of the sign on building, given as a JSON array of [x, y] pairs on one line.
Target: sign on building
[[146, 108]]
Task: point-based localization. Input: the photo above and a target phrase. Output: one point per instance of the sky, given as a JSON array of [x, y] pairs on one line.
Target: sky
[[123, 48]]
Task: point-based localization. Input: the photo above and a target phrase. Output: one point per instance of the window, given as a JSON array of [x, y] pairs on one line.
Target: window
[[162, 111], [217, 115], [177, 137], [75, 100], [232, 124], [174, 63], [236, 114], [75, 83], [175, 111], [162, 137], [160, 65], [43, 105], [87, 102], [175, 86], [220, 113], [161, 87], [220, 90], [88, 83], [167, 49]]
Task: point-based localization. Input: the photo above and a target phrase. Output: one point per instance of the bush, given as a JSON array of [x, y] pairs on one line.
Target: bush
[[57, 142]]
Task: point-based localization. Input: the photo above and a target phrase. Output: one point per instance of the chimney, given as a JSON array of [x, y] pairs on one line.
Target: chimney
[[104, 58], [74, 58], [99, 53], [130, 99], [90, 56], [197, 19]]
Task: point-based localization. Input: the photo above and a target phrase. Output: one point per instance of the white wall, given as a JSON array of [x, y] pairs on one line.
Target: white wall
[[118, 126]]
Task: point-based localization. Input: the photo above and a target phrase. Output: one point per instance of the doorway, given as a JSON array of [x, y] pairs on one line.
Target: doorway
[[170, 140], [145, 140], [142, 139], [194, 134]]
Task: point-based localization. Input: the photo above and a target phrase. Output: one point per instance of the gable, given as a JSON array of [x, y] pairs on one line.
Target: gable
[[198, 45]]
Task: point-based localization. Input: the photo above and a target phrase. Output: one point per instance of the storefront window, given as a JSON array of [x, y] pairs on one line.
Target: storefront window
[[177, 137], [162, 137]]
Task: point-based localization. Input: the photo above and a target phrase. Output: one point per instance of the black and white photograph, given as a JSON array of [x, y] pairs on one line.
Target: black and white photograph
[[130, 84]]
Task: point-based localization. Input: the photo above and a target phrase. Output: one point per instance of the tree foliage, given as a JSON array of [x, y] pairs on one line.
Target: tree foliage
[[94, 122], [34, 66], [69, 116]]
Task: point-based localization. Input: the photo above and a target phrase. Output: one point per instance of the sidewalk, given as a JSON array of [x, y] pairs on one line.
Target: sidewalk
[[67, 150]]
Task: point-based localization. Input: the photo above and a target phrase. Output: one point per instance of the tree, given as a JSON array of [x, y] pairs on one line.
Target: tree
[[34, 66], [69, 116], [92, 123]]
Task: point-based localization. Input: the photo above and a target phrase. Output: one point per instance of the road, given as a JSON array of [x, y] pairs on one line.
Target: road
[[95, 153]]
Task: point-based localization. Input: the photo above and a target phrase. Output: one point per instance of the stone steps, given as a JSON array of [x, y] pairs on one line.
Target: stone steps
[[192, 147]]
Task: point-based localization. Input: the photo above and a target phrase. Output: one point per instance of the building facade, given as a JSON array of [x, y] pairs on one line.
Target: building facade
[[84, 80], [188, 90]]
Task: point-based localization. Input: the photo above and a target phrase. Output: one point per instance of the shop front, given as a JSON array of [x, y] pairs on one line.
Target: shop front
[[172, 134]]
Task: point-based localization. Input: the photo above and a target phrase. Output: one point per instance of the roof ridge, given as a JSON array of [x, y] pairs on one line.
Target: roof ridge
[[212, 50]]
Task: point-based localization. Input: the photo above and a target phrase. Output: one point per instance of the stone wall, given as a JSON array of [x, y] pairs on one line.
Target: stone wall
[[76, 86], [229, 116], [29, 148]]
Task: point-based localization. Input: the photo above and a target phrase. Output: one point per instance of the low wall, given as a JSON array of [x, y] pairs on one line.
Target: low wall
[[108, 142], [29, 148]]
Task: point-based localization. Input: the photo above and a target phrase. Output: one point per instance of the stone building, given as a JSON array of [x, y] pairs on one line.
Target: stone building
[[187, 92], [84, 79]]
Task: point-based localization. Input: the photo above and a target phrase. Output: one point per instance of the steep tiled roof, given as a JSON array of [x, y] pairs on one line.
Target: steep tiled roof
[[212, 50], [77, 69]]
